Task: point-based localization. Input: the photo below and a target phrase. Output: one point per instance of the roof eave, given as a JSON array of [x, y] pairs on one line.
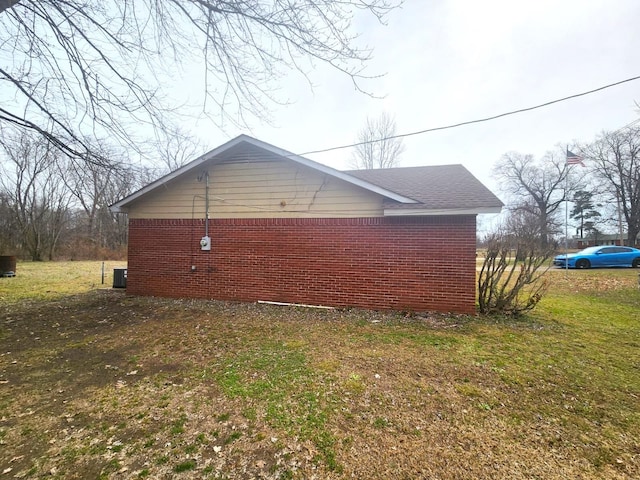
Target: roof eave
[[405, 212], [121, 205]]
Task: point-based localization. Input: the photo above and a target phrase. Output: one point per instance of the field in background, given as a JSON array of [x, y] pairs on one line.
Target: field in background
[[51, 280], [95, 384]]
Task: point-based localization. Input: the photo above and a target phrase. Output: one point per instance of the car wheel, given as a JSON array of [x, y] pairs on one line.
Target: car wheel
[[583, 263], [636, 263]]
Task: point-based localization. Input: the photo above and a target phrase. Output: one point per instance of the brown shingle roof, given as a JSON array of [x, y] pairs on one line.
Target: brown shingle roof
[[434, 187]]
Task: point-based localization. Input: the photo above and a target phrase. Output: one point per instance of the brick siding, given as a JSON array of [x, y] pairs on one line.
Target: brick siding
[[400, 263]]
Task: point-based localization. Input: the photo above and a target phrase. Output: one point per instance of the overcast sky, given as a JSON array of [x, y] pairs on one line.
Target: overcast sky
[[450, 61]]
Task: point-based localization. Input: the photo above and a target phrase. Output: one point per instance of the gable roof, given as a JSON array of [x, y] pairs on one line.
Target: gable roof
[[435, 190], [250, 142]]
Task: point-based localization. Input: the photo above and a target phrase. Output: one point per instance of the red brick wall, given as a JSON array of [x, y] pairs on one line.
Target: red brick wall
[[420, 263]]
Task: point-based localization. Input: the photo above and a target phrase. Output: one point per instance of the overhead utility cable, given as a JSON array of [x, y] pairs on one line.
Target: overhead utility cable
[[631, 124], [480, 120]]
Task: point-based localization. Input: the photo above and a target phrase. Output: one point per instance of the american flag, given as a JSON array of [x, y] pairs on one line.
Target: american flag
[[573, 159]]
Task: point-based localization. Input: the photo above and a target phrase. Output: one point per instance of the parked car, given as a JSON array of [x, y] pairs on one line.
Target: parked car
[[603, 256]]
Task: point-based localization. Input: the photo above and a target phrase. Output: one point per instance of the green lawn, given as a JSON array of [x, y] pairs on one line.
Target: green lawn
[[95, 384]]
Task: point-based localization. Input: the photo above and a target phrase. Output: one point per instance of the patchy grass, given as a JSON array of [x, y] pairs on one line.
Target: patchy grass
[[54, 280], [95, 384]]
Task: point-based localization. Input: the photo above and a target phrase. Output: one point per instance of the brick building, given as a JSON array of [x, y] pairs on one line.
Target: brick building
[[249, 221]]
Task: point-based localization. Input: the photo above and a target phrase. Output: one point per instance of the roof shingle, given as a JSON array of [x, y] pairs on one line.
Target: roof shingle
[[434, 187]]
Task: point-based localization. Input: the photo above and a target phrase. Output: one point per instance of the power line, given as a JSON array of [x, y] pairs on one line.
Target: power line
[[480, 120], [627, 125]]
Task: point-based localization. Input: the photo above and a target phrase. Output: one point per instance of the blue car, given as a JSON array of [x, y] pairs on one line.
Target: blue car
[[603, 256]]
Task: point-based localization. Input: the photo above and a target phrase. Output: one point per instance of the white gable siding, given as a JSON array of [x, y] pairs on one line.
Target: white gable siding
[[258, 186]]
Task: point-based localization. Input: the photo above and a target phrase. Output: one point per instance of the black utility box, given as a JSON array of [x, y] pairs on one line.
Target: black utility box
[[119, 278]]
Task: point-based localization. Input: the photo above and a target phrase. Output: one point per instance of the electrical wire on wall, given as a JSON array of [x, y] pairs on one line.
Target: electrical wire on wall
[[192, 240], [205, 242]]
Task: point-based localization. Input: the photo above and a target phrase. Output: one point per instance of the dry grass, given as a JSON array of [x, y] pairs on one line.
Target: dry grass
[[54, 280], [101, 385]]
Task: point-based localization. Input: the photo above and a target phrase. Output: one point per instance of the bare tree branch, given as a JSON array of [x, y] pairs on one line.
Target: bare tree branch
[[39, 202], [537, 190], [376, 148], [511, 280], [615, 160], [80, 69]]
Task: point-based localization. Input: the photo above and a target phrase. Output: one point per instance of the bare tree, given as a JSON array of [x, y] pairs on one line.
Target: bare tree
[[177, 147], [74, 70], [9, 237], [37, 197], [90, 184], [94, 186], [537, 189], [615, 159], [114, 225], [376, 148], [523, 220]]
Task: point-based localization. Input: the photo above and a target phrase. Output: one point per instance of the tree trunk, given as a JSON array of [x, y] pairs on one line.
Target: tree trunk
[[632, 234]]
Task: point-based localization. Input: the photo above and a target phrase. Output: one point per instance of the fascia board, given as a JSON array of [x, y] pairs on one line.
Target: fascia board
[[405, 212]]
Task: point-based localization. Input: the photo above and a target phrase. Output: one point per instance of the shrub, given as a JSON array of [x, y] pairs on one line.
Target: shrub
[[511, 278]]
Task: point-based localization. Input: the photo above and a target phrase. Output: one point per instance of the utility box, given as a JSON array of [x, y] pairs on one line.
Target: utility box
[[7, 266], [205, 243], [119, 278]]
